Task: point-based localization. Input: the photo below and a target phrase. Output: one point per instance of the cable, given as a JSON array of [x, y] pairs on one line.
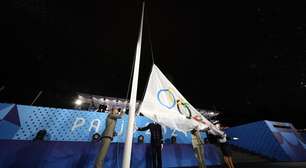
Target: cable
[[151, 50], [150, 39]]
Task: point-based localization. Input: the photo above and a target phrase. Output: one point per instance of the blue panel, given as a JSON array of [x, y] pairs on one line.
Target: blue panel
[[8, 130], [304, 137], [289, 140], [262, 137], [82, 155], [76, 125], [4, 109]]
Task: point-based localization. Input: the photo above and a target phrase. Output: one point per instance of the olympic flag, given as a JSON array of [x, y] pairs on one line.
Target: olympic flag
[[164, 104]]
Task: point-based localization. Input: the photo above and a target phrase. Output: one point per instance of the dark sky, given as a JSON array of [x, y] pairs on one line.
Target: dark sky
[[246, 60]]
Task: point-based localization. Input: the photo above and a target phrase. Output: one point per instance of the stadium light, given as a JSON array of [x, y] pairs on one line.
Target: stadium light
[[235, 138], [78, 102]]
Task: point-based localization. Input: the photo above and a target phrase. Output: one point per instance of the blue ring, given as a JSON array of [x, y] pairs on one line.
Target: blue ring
[[167, 90]]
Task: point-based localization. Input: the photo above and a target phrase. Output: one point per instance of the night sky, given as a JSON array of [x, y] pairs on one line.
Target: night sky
[[245, 60]]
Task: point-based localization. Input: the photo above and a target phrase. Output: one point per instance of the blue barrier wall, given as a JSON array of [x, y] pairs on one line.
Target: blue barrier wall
[[20, 122], [304, 136], [56, 154], [275, 140]]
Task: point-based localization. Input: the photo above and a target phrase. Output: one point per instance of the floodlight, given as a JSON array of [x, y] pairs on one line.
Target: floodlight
[[78, 102]]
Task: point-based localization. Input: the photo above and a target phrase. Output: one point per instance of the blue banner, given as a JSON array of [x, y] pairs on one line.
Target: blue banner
[[55, 154], [22, 122]]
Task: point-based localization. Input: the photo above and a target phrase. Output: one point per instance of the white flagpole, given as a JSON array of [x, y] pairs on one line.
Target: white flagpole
[[133, 97]]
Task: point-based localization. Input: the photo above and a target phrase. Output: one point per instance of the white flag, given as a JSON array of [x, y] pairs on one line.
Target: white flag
[[164, 104]]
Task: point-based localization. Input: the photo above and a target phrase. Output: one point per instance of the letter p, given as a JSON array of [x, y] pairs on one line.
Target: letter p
[[78, 123]]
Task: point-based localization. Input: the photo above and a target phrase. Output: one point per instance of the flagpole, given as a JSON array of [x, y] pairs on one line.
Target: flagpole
[[129, 134], [40, 92], [2, 88]]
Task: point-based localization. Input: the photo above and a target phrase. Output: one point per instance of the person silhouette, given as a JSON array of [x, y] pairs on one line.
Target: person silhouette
[[198, 146], [107, 135], [156, 143]]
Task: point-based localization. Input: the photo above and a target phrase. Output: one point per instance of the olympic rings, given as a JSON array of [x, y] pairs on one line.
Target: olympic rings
[[171, 103]]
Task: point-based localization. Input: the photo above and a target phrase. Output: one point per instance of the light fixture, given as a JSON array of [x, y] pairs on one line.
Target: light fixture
[[215, 122], [78, 102]]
